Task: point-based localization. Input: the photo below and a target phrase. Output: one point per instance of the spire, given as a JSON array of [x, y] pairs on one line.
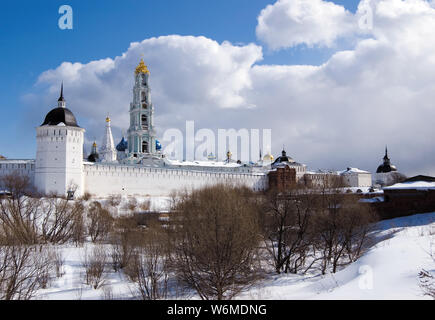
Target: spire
[[386, 159], [108, 151], [61, 100], [61, 93]]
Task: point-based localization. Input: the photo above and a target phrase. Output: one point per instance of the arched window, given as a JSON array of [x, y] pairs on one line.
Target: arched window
[[144, 120], [144, 146]]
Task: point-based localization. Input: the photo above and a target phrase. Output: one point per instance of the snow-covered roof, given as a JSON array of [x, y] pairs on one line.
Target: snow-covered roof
[[321, 172], [352, 170], [17, 161], [417, 185], [197, 163]]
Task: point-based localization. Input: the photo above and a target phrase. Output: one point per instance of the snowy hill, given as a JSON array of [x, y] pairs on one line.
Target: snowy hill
[[388, 271]]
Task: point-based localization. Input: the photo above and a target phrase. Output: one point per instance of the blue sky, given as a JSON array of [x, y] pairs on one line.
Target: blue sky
[[31, 41]]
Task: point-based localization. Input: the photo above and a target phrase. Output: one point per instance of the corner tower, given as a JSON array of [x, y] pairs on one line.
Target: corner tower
[[59, 153], [141, 133]]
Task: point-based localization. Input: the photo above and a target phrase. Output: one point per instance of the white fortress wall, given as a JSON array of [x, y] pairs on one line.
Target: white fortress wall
[[18, 167], [106, 179]]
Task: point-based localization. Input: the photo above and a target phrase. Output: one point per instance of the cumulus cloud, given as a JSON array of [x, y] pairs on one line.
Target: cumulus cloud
[[288, 23], [338, 114], [190, 77]]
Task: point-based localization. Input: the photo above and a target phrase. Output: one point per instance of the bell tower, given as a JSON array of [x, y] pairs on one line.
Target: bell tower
[[141, 133]]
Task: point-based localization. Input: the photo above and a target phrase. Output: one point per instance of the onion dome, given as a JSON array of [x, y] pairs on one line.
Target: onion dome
[[60, 115], [268, 158], [211, 157], [386, 166], [142, 68], [283, 158], [122, 145], [158, 145], [94, 156]]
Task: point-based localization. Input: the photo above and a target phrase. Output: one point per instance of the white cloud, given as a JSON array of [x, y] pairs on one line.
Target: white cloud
[[288, 23], [339, 114], [190, 76]]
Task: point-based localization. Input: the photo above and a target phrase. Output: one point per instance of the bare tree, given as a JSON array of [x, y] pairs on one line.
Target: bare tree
[[78, 227], [216, 241], [24, 269], [342, 227], [19, 213], [100, 222], [148, 268], [95, 266], [59, 220], [124, 240], [287, 227]]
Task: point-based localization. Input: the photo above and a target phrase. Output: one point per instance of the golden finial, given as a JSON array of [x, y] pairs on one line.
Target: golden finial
[[142, 68], [107, 119], [94, 144]]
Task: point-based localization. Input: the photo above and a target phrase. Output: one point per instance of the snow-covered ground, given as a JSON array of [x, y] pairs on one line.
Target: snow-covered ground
[[388, 271]]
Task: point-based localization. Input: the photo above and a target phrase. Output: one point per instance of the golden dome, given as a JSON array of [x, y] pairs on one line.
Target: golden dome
[[268, 157], [142, 68], [94, 144]]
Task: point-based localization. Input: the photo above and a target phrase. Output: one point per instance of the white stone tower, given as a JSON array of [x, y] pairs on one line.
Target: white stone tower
[[107, 150], [59, 154], [141, 134]]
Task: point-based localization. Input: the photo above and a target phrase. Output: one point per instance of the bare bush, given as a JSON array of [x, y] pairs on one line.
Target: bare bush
[[216, 240], [131, 205], [58, 262], [59, 220], [124, 241], [19, 213], [342, 228], [287, 228], [145, 205], [95, 265], [114, 200], [79, 228], [86, 196], [100, 222], [148, 268], [427, 283], [24, 269]]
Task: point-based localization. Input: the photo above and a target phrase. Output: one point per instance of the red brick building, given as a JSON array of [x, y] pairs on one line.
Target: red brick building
[[282, 178]]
